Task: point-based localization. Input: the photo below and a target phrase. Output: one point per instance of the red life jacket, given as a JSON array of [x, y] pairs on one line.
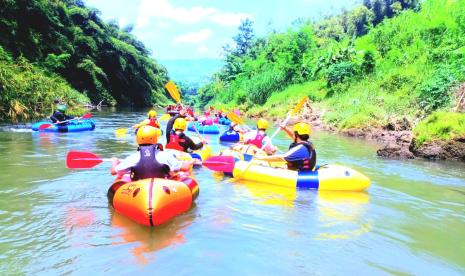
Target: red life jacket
[[307, 164], [153, 122], [175, 141], [258, 140]]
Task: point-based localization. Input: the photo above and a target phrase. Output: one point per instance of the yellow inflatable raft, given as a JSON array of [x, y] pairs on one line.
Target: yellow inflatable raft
[[328, 177], [153, 201]]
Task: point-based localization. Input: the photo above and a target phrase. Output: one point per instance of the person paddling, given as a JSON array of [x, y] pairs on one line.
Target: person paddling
[[59, 116], [150, 161], [179, 141], [151, 121], [301, 155], [169, 125], [259, 138]]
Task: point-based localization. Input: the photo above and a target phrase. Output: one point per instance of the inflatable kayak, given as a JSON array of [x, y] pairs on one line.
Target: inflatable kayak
[[203, 129], [72, 126], [224, 121], [152, 201], [328, 177], [230, 136]]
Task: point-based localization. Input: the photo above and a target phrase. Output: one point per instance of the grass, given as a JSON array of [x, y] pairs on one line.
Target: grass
[[440, 126]]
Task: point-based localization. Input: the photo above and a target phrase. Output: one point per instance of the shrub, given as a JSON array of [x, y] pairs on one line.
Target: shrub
[[435, 92], [337, 73]]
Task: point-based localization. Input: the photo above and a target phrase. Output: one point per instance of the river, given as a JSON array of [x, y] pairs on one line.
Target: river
[[58, 221]]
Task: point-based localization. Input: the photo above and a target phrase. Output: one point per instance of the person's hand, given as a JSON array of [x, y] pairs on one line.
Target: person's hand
[[282, 125], [204, 141]]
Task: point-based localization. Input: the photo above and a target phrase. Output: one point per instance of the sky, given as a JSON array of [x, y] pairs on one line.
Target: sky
[[198, 29]]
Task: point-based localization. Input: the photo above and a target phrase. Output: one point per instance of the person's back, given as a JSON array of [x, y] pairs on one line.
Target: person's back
[[148, 165], [259, 138]]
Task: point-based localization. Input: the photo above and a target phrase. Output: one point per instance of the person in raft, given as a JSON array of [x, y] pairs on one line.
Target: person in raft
[[150, 161], [301, 155], [169, 126], [151, 121], [179, 141], [59, 116], [259, 138]]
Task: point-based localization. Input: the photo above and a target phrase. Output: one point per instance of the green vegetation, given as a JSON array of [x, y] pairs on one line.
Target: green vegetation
[[440, 126], [28, 92], [66, 38], [364, 68]]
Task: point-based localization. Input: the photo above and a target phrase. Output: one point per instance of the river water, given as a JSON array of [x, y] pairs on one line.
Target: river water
[[56, 221]]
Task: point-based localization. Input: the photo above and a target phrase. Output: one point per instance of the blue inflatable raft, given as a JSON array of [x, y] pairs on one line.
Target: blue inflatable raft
[[230, 136], [211, 129], [72, 126]]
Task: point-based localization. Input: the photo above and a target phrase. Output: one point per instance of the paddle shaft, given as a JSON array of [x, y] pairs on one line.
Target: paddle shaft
[[264, 145]]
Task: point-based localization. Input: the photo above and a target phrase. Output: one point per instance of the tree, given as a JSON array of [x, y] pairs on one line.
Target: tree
[[367, 3], [359, 21], [377, 12], [244, 38], [387, 8]]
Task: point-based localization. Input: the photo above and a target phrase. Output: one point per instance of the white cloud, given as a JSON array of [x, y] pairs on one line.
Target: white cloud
[[202, 49], [194, 37], [162, 9], [122, 21]]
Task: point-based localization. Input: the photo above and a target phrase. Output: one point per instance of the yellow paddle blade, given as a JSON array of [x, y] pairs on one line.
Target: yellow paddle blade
[[164, 117], [234, 118], [121, 130], [299, 105], [173, 90]]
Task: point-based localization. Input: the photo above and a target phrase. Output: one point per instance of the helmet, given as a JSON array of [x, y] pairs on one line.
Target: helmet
[[61, 107], [262, 124], [180, 123], [147, 135], [302, 129], [152, 113]]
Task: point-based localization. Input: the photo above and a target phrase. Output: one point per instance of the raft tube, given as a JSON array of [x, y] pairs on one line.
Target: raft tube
[[72, 126], [326, 178], [152, 201], [224, 121], [230, 136], [203, 129]]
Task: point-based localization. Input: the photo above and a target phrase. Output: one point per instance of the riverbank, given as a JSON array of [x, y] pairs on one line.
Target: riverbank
[[396, 139]]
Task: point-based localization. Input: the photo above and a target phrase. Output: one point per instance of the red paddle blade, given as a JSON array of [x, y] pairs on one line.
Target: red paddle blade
[[44, 126], [82, 160], [220, 163], [86, 116]]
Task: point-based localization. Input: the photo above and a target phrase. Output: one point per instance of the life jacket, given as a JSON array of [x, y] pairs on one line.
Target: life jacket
[[258, 140], [307, 164], [148, 166], [175, 141], [153, 122]]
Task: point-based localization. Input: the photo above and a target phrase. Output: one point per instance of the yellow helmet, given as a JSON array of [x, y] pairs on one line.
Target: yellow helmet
[[180, 123], [152, 113], [262, 124], [302, 129], [147, 135]]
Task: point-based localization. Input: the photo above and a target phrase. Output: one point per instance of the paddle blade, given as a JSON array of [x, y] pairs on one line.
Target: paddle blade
[[299, 105], [86, 116], [82, 160], [165, 117], [235, 118], [44, 126], [220, 163], [173, 90]]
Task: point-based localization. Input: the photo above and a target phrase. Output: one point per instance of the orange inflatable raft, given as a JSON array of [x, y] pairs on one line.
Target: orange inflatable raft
[[153, 201]]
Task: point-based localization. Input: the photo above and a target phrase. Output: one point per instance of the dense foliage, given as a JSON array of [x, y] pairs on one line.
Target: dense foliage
[[98, 59], [28, 91], [380, 61]]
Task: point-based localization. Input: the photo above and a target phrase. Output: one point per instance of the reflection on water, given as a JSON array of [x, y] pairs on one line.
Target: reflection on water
[[56, 221]]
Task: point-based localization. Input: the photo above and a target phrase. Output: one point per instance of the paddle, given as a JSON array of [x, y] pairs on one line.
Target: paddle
[[294, 111], [233, 117], [164, 117], [220, 163], [87, 160], [85, 116], [174, 92]]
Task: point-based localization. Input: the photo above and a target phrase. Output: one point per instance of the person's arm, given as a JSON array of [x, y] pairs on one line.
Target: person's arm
[[191, 145], [271, 158], [125, 166], [287, 130]]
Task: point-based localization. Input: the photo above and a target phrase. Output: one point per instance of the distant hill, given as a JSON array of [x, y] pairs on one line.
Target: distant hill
[[196, 72]]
